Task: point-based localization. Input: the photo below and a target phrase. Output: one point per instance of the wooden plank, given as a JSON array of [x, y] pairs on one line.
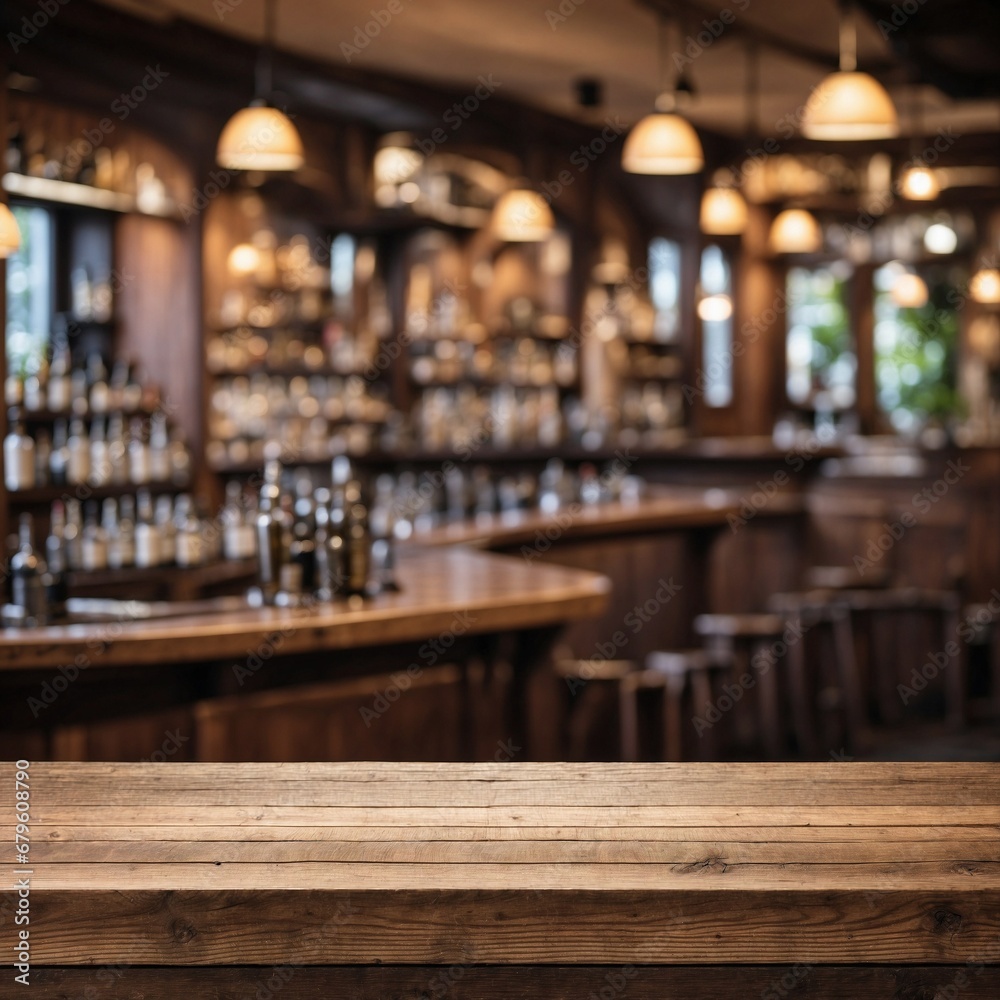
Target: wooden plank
[[972, 980], [481, 816], [596, 851], [213, 927]]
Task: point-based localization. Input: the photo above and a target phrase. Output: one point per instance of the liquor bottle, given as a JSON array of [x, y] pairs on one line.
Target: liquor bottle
[[59, 460], [18, 455], [100, 465], [95, 542], [74, 535], [117, 385], [97, 380], [55, 557], [238, 540], [34, 392], [383, 531], [43, 457], [302, 550], [190, 551], [13, 390], [112, 531], [166, 529], [78, 466], [159, 449], [78, 402], [270, 554], [58, 391], [117, 450], [324, 587], [147, 536], [126, 530], [27, 570], [139, 455], [357, 541]]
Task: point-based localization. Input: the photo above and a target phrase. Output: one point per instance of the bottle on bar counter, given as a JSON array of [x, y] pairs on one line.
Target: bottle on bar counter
[[55, 557], [270, 535], [357, 541], [383, 529], [18, 455], [27, 577]]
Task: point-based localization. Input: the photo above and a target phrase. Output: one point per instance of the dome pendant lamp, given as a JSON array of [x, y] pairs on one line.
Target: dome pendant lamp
[[663, 143], [10, 233], [849, 105], [260, 137]]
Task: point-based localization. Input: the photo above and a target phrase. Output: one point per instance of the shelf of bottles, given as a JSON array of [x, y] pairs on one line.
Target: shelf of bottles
[[290, 366], [65, 157]]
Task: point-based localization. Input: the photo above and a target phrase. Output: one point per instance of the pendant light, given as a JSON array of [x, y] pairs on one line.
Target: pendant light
[[919, 182], [522, 216], [663, 143], [909, 291], [985, 286], [723, 207], [260, 137], [795, 231], [10, 233], [849, 105]]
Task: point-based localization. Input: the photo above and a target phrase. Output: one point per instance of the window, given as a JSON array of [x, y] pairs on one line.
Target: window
[[915, 345], [29, 291], [664, 288], [715, 310], [819, 349]]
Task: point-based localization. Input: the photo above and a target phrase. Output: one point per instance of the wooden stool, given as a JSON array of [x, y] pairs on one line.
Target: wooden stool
[[981, 619], [805, 612], [668, 672], [583, 672], [739, 640]]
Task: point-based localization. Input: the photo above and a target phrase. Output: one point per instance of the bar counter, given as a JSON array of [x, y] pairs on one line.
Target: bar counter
[[495, 593], [529, 880]]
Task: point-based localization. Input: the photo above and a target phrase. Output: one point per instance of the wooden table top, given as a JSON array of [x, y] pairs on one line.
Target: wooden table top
[[441, 590], [668, 508], [216, 864]]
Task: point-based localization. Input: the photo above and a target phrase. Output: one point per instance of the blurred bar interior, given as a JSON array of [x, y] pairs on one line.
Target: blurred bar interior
[[684, 316]]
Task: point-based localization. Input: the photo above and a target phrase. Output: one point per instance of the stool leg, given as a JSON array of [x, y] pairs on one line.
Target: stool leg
[[798, 689], [956, 684], [673, 700], [628, 714], [850, 680], [768, 706], [701, 687]]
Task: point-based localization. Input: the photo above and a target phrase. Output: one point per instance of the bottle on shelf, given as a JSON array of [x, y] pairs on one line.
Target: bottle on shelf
[[97, 380], [357, 541], [118, 449], [95, 542], [58, 391], [59, 460], [139, 454], [18, 455], [78, 466], [74, 535], [147, 535], [43, 457], [238, 538], [189, 548], [27, 576], [100, 462], [166, 529], [126, 530]]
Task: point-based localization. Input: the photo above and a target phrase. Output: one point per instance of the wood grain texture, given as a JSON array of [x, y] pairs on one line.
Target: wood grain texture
[[444, 591], [343, 864]]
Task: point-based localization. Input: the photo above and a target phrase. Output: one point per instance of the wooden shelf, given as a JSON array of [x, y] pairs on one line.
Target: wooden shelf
[[44, 495], [57, 192]]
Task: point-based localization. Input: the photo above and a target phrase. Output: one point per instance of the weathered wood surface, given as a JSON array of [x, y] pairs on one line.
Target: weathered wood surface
[[438, 864], [488, 593]]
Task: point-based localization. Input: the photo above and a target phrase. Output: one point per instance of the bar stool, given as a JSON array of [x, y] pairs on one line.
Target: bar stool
[[743, 640], [580, 712], [673, 674]]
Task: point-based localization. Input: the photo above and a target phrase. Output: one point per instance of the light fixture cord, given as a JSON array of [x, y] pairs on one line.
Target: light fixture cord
[[264, 77], [666, 98], [848, 40]]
